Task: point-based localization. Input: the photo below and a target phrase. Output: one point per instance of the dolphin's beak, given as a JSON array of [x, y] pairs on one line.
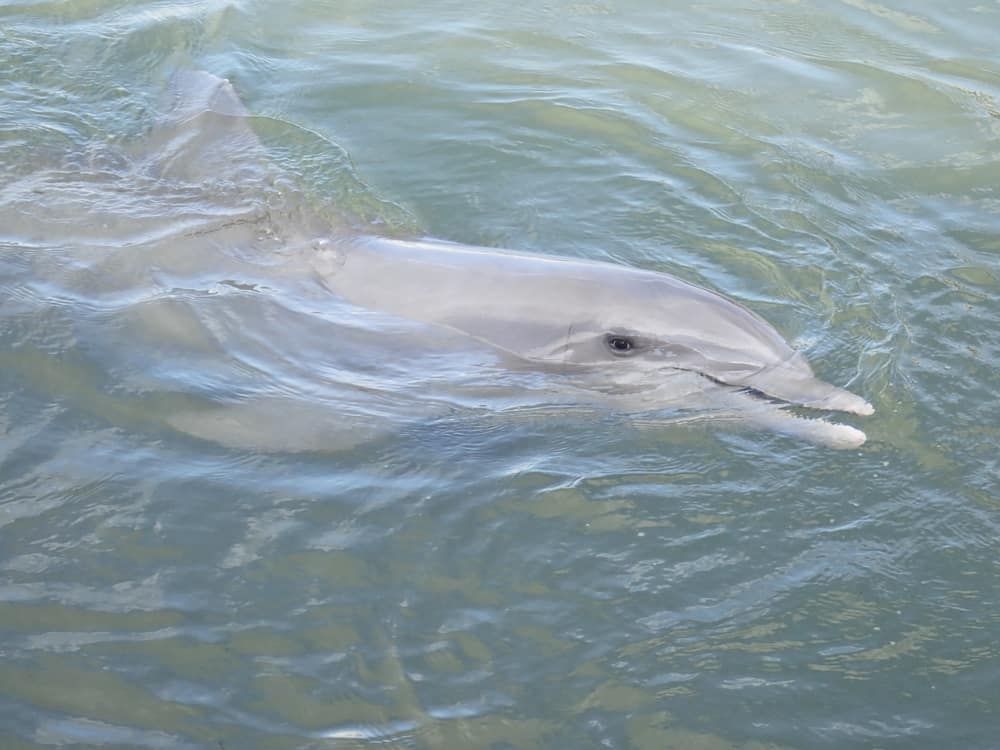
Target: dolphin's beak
[[842, 400], [793, 382]]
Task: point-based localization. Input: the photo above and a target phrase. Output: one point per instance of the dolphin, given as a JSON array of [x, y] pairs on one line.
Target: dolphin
[[574, 313], [621, 330], [620, 333], [599, 334]]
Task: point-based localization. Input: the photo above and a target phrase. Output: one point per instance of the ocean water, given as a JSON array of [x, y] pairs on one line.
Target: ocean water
[[470, 578]]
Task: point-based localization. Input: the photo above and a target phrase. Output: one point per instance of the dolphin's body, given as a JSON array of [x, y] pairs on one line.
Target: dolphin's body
[[617, 321], [621, 330], [635, 340]]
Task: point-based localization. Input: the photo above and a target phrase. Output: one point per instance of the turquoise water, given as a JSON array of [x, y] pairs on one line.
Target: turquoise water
[[471, 580]]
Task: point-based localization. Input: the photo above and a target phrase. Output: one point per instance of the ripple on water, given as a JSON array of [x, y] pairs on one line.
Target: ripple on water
[[511, 578]]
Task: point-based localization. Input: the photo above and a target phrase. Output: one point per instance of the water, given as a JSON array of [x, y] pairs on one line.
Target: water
[[469, 580]]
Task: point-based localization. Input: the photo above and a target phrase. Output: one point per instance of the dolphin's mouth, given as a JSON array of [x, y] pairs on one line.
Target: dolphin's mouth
[[757, 393], [794, 383], [837, 400], [841, 401], [773, 413]]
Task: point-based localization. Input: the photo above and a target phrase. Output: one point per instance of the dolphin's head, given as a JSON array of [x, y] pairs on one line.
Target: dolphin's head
[[626, 326], [643, 324]]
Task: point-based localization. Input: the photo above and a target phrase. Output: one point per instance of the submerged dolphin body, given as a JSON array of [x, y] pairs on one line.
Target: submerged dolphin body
[[634, 340]]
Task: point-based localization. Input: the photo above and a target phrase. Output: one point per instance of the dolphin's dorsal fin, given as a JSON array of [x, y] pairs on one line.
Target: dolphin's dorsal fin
[[192, 92], [205, 132]]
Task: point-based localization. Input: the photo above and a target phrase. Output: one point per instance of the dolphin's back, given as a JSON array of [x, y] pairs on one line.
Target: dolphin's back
[[465, 286], [476, 290]]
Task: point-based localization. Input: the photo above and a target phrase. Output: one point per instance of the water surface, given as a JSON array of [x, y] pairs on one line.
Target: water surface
[[470, 580]]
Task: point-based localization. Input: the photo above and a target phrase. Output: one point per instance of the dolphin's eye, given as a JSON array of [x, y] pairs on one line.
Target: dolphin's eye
[[620, 344]]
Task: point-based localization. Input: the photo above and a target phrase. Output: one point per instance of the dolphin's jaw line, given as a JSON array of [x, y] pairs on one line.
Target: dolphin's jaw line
[[813, 429]]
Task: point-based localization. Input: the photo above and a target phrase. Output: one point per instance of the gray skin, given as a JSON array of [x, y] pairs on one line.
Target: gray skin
[[578, 314], [620, 329], [620, 333]]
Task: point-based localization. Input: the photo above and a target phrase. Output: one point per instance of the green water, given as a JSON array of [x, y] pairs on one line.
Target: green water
[[476, 582]]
